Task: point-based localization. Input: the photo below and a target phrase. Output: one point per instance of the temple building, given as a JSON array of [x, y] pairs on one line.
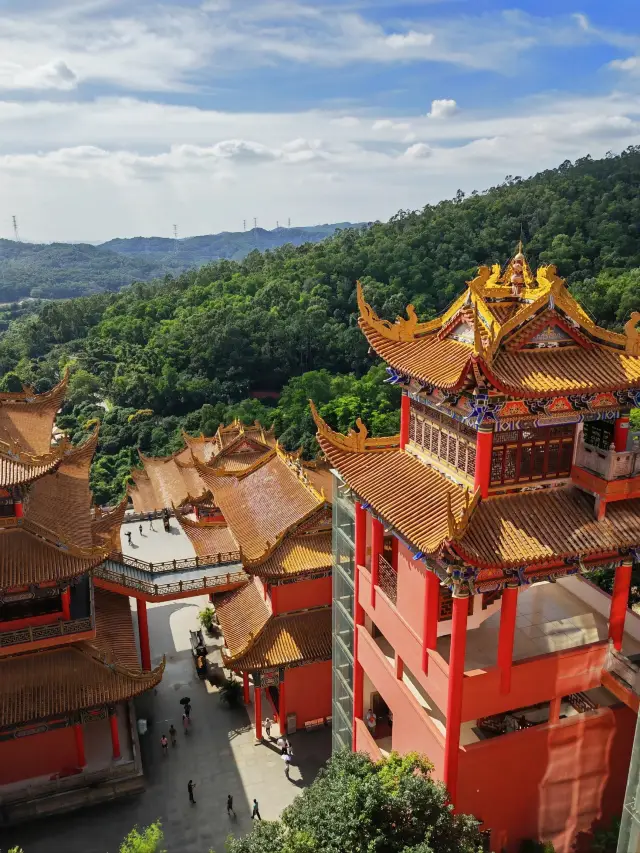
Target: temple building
[[463, 624], [68, 659]]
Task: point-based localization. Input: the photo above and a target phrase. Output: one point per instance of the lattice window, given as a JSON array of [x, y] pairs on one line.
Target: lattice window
[[496, 464], [532, 454], [452, 452], [412, 426], [471, 459]]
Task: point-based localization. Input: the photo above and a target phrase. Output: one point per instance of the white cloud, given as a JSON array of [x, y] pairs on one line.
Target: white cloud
[[412, 39], [631, 64], [52, 75], [418, 151], [443, 108], [387, 124]]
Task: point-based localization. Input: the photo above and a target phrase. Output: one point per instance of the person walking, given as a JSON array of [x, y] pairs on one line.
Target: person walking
[[185, 723], [255, 813], [230, 810], [287, 746], [151, 527], [128, 535], [267, 727], [165, 744], [140, 529], [187, 710], [287, 763], [190, 788], [172, 734], [281, 745]]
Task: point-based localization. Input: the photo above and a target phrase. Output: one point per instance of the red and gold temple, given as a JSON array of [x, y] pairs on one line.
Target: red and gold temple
[[68, 660], [476, 638]]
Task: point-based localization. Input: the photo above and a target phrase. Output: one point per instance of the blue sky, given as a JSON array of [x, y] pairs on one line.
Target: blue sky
[[122, 118]]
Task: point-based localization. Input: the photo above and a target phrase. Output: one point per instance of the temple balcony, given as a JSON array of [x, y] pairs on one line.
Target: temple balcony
[[608, 474]]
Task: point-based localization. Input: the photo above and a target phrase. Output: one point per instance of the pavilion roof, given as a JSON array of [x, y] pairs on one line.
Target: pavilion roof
[[26, 419], [18, 468], [26, 558], [77, 676], [534, 341], [297, 554], [432, 513], [265, 502], [208, 538], [165, 481], [105, 527], [258, 640]]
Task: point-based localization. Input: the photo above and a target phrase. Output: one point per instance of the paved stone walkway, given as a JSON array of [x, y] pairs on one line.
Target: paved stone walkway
[[220, 755]]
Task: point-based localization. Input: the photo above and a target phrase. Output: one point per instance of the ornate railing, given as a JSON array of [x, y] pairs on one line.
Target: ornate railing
[[608, 464], [623, 669], [45, 632], [176, 565], [581, 703], [173, 588], [387, 579]]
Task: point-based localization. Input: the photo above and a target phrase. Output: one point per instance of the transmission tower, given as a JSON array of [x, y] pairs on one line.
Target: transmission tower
[[289, 222], [277, 224], [15, 229], [244, 224], [255, 222]]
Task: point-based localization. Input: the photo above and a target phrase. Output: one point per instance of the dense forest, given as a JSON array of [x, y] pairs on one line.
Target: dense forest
[[65, 270], [195, 350]]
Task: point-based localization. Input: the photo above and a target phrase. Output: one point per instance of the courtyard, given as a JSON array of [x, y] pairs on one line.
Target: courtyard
[[220, 754]]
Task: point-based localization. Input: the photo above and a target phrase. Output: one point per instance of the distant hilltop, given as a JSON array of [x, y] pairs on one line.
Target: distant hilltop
[[63, 270]]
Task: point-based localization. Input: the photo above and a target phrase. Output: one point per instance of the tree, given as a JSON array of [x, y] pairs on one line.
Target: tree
[[148, 840], [356, 805]]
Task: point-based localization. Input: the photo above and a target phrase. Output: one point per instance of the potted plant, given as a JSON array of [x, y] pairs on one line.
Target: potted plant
[[231, 693], [206, 617]]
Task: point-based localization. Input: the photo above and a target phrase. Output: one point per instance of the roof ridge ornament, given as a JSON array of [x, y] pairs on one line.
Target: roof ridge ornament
[[356, 440], [632, 344], [402, 330]]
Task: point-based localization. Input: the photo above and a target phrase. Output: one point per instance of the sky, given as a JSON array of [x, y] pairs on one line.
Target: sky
[[127, 117]]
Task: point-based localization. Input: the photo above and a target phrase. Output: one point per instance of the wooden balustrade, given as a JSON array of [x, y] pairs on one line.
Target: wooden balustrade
[[387, 579], [173, 588], [45, 632], [176, 565]]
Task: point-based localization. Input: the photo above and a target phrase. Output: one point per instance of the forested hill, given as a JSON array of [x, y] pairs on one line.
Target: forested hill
[[64, 270], [190, 352]]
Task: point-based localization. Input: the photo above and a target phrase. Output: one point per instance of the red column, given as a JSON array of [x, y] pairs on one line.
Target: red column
[[66, 604], [79, 736], [245, 688], [484, 448], [360, 536], [405, 415], [554, 709], [115, 734], [274, 599], [454, 700], [143, 632], [619, 602], [282, 708], [18, 509], [508, 613], [377, 547], [395, 547], [399, 667], [430, 617], [620, 433], [257, 699]]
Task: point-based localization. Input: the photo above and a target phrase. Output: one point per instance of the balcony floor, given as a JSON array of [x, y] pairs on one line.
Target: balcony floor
[[549, 619]]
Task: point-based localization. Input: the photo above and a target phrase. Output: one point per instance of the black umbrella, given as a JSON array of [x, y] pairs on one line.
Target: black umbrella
[[185, 700]]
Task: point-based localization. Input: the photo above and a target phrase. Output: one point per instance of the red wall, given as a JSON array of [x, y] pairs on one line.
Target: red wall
[[549, 782], [303, 594], [308, 691], [411, 583], [37, 755]]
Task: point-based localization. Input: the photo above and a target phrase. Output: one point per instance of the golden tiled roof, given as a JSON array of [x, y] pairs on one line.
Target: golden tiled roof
[[79, 676], [235, 462], [166, 481], [105, 527], [279, 641], [207, 538], [27, 559], [320, 477], [27, 422], [486, 328], [15, 471], [415, 498], [546, 524], [262, 504], [296, 555], [60, 503], [242, 614]]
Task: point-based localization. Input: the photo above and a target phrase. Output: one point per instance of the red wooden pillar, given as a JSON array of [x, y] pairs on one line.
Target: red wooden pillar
[[66, 604], [454, 700], [405, 415], [484, 449], [282, 708], [377, 548], [143, 633], [257, 699], [430, 616], [18, 509], [360, 536], [274, 599], [621, 433], [115, 734], [79, 736], [245, 688], [554, 709], [619, 602], [508, 613], [395, 548], [399, 667]]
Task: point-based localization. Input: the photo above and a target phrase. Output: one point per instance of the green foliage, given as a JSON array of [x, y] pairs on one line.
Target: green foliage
[[148, 840], [231, 693], [605, 839], [354, 805], [205, 617], [529, 846]]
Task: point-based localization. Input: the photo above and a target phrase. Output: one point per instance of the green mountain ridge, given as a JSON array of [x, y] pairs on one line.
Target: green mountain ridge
[[65, 270]]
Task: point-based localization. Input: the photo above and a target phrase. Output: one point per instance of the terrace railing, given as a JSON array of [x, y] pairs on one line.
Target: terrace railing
[[176, 565], [46, 632], [172, 588], [387, 579], [624, 670], [608, 464]]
